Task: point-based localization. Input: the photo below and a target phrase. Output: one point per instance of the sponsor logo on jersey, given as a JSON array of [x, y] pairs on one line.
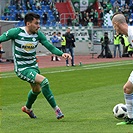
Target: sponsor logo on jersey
[[28, 47]]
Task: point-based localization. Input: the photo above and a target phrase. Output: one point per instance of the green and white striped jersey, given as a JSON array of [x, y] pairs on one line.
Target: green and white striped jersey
[[24, 47]]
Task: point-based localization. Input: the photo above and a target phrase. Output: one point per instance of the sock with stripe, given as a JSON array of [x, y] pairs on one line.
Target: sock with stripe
[[48, 93]]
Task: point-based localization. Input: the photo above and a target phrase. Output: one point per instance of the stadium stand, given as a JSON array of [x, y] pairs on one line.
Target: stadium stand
[[55, 11], [13, 11]]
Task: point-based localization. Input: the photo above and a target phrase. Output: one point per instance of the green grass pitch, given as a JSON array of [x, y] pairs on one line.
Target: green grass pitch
[[86, 95]]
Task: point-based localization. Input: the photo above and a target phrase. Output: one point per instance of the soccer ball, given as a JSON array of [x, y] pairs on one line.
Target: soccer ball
[[120, 111]]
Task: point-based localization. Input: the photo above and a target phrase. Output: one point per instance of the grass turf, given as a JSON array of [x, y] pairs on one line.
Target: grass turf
[[86, 95]]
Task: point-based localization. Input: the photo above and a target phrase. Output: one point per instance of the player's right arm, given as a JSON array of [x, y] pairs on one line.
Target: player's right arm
[[10, 34]]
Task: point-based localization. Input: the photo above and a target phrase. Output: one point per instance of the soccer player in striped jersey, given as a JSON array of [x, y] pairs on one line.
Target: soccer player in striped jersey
[[25, 40]]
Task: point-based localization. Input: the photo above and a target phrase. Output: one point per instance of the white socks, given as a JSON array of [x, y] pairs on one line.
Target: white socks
[[129, 104], [56, 108]]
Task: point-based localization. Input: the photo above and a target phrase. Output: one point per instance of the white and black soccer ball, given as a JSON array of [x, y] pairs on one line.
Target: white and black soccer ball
[[120, 111]]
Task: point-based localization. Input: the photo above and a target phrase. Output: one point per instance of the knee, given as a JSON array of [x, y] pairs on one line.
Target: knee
[[127, 89], [36, 88], [44, 83]]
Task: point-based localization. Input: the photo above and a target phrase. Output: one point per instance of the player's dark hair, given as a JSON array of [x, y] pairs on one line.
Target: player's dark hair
[[29, 17]]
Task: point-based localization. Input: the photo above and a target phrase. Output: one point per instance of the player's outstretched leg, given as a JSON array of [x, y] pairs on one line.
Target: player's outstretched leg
[[127, 121], [50, 98], [32, 96]]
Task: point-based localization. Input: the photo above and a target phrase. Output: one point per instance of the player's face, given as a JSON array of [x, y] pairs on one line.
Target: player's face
[[116, 27], [34, 26]]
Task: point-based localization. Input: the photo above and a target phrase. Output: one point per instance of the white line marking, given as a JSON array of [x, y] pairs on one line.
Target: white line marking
[[89, 66]]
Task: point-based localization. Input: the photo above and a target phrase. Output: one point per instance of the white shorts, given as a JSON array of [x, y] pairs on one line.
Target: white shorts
[[131, 77]]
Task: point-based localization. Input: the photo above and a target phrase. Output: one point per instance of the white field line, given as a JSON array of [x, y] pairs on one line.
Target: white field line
[[91, 66]]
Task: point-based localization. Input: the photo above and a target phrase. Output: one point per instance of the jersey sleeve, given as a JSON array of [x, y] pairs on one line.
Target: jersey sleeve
[[10, 34], [43, 40]]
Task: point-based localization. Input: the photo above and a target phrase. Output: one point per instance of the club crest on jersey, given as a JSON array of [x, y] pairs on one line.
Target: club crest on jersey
[[28, 47], [33, 39]]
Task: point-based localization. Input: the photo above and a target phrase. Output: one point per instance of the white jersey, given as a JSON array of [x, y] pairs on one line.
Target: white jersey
[[130, 35]]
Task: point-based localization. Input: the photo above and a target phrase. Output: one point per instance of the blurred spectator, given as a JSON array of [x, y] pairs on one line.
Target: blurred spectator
[[91, 15], [116, 6], [58, 44], [18, 5], [90, 23], [90, 26], [45, 2], [131, 20], [101, 15], [117, 43], [54, 11], [28, 6], [95, 20], [131, 8], [7, 18], [45, 17], [63, 43], [109, 6], [104, 6], [70, 46], [57, 16], [126, 11], [104, 46], [80, 17], [18, 16], [54, 41], [85, 18], [51, 4], [130, 51], [22, 2], [75, 22], [12, 2], [42, 2], [69, 21], [77, 16], [125, 43], [22, 15], [6, 10], [38, 5], [122, 9]]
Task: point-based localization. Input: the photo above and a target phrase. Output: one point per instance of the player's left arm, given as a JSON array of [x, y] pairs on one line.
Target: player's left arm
[[43, 40]]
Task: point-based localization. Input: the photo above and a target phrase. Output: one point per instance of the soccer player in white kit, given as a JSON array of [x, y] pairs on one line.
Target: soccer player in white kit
[[25, 40], [121, 26]]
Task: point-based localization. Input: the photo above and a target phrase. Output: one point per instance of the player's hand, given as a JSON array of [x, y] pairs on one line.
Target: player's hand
[[66, 56]]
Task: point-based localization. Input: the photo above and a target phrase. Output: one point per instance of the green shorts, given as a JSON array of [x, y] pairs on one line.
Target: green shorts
[[28, 74]]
